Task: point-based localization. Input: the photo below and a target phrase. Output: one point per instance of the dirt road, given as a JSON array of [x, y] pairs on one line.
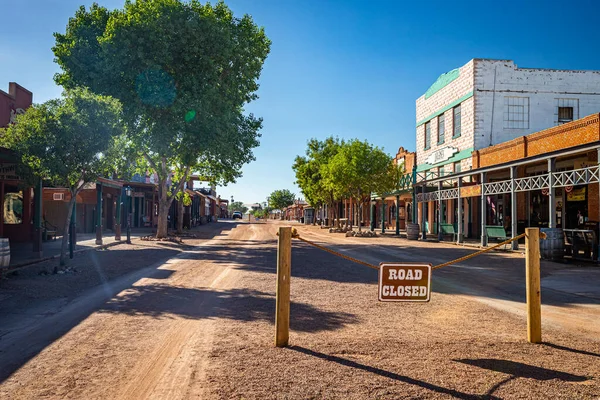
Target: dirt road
[[198, 323]]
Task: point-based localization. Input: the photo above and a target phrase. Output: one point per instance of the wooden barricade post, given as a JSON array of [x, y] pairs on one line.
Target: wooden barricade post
[[532, 276], [282, 301]]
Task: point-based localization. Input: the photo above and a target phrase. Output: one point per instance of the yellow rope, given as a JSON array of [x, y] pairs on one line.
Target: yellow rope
[[479, 252], [296, 235]]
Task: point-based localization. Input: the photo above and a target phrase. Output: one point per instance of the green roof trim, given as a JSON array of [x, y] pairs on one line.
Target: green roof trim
[[461, 155], [442, 81], [443, 110]]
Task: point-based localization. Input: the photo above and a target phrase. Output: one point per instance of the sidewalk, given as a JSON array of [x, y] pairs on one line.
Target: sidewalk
[[22, 253]]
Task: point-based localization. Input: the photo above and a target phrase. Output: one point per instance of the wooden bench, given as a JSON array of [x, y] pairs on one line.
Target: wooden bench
[[49, 231], [496, 232], [448, 229], [577, 240]]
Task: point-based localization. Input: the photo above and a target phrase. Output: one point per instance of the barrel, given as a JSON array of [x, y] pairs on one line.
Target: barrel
[[4, 252], [553, 247], [412, 231]]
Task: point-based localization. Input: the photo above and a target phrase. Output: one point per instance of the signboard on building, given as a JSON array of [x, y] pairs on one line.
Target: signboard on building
[[404, 281], [9, 172], [470, 191], [576, 195], [441, 155]]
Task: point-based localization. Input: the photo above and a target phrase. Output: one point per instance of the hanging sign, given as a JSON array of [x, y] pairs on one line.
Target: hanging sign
[[441, 155], [404, 281], [9, 172], [576, 195]]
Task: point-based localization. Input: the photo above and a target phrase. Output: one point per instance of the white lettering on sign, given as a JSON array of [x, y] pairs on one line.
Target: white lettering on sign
[[404, 282], [441, 155]]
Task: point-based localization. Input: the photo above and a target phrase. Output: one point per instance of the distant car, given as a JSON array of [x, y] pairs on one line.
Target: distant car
[[236, 215]]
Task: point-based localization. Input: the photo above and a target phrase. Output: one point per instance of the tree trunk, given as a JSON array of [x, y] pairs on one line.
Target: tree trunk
[[163, 212], [65, 238], [360, 207], [180, 215]]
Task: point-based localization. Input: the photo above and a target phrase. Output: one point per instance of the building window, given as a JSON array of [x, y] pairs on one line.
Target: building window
[[457, 167], [516, 112], [441, 128], [567, 110], [456, 122], [427, 135]]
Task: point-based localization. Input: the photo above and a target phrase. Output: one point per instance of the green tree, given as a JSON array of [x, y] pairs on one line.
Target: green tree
[[360, 169], [313, 175], [183, 71], [238, 206], [280, 199], [68, 142]]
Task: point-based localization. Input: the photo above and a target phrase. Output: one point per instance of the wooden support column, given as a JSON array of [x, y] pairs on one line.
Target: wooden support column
[[513, 207], [282, 297], [382, 215], [398, 215], [37, 219], [98, 213], [423, 212], [440, 212], [2, 209], [483, 212], [372, 215], [459, 212], [532, 273], [118, 216], [551, 193]]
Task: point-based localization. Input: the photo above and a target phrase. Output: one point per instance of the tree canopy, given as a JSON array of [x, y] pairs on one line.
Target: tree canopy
[[183, 72], [280, 199], [360, 169], [238, 206], [68, 142], [312, 172]]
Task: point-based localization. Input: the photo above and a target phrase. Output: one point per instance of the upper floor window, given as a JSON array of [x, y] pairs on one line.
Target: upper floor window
[[427, 135], [516, 112], [441, 128], [567, 110], [456, 122], [457, 167]]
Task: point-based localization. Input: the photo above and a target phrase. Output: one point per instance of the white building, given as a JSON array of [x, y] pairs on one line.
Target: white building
[[487, 102]]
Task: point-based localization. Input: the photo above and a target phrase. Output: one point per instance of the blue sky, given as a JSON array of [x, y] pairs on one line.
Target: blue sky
[[344, 67]]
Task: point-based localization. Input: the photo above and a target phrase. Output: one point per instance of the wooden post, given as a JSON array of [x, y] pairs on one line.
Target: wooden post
[[532, 275], [282, 301]]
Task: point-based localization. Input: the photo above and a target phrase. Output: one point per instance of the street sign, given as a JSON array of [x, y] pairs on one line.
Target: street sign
[[404, 281]]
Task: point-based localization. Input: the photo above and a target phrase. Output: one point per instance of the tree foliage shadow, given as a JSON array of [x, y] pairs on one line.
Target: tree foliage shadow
[[386, 374], [520, 370], [565, 348], [163, 301]]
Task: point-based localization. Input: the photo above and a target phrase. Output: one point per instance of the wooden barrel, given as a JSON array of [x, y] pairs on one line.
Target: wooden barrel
[[412, 231], [4, 252], [553, 247]]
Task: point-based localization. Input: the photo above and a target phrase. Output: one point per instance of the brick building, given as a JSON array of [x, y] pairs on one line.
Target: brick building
[[547, 179], [17, 212], [485, 103]]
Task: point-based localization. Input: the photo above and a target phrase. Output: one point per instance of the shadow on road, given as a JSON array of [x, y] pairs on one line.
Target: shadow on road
[[386, 374], [559, 347], [520, 370], [101, 275], [162, 301]]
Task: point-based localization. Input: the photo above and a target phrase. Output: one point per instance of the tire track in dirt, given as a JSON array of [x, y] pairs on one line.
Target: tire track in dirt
[[176, 368]]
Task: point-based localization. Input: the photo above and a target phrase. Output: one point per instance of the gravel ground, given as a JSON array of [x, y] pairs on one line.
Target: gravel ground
[[345, 344], [202, 326]]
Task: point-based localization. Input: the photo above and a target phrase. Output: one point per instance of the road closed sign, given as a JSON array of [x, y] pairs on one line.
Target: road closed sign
[[404, 282]]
